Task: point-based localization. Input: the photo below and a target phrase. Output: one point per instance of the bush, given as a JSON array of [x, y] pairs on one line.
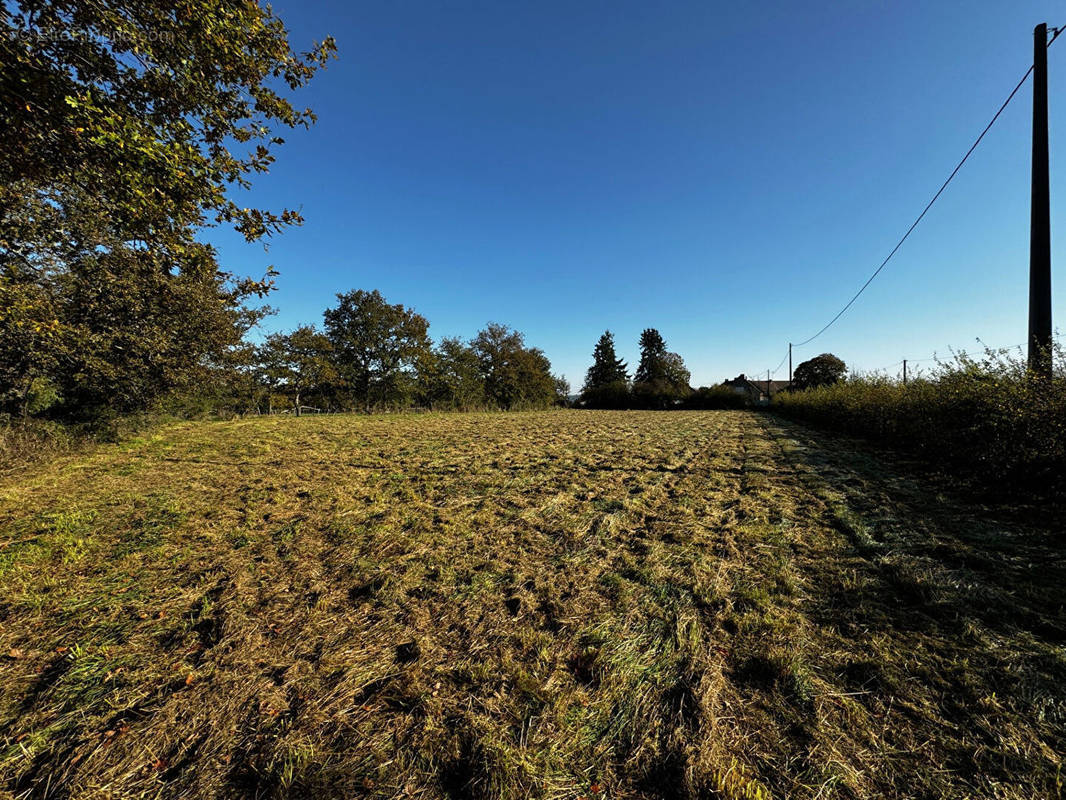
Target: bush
[[988, 418], [716, 397], [612, 395], [659, 395], [28, 441]]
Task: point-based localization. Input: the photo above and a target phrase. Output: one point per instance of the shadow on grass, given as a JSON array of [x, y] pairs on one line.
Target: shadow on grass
[[951, 610]]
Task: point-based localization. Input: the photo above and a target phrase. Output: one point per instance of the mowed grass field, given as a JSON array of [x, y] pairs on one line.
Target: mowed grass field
[[563, 604]]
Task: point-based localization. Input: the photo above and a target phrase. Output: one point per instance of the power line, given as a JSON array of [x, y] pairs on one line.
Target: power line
[[989, 349], [773, 372], [929, 205], [783, 360]]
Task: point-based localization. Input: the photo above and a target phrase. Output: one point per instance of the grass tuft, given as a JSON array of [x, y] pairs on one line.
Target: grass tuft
[[553, 605]]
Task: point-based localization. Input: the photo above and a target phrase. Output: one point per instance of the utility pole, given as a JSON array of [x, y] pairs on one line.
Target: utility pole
[[904, 372], [790, 366], [1040, 219], [767, 386]]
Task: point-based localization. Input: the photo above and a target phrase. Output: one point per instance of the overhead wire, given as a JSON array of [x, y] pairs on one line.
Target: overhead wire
[[928, 205], [1055, 34], [937, 358]]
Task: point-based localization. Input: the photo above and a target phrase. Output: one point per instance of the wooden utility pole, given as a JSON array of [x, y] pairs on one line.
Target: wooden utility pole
[[790, 366], [1040, 219], [904, 372]]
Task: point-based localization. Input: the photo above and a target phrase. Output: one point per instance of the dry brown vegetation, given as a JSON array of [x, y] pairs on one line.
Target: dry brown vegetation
[[556, 604]]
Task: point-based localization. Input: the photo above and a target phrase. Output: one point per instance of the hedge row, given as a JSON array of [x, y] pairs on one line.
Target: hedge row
[[987, 419]]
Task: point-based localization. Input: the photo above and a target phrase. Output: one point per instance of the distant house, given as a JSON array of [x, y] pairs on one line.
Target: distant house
[[759, 392]]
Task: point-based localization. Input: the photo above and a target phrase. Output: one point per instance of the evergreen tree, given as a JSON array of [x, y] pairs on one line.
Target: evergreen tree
[[661, 378], [607, 380], [652, 367], [606, 367]]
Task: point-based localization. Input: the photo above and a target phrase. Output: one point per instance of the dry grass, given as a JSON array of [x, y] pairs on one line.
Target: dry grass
[[558, 604], [27, 443]]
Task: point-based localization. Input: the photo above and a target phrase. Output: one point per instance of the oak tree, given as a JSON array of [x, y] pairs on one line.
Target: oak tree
[[374, 342]]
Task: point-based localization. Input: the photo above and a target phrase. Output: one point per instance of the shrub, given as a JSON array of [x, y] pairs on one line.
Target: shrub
[[28, 441], [987, 418], [611, 395], [711, 397]]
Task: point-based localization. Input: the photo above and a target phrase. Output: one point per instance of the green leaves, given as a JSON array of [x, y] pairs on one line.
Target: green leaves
[[516, 376], [823, 370], [131, 124], [374, 342]]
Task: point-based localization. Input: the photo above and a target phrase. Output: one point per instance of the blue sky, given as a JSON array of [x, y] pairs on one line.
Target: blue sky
[[729, 173]]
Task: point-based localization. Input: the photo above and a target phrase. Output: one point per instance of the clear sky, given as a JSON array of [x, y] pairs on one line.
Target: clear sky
[[729, 173]]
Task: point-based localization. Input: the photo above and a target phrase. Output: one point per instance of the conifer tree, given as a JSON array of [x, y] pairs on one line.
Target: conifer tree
[[607, 367], [661, 378], [652, 367]]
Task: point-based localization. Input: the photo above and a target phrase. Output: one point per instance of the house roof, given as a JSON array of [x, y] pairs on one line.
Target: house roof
[[757, 386]]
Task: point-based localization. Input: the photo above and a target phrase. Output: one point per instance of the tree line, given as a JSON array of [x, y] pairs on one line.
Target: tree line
[[661, 379], [128, 128], [372, 355]]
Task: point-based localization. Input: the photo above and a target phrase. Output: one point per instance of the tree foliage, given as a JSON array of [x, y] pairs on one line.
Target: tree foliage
[[515, 376], [823, 370], [128, 125], [652, 366], [374, 342], [562, 390], [298, 363], [450, 378], [142, 115], [607, 380], [676, 374], [607, 367], [661, 378]]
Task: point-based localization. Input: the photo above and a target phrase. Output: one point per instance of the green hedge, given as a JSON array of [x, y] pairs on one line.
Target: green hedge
[[985, 418]]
